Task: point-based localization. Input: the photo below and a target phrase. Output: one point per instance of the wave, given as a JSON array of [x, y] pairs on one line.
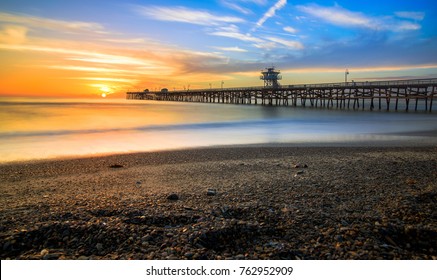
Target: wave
[[171, 127]]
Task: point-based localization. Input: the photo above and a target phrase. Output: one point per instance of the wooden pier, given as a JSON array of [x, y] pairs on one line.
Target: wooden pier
[[384, 95]]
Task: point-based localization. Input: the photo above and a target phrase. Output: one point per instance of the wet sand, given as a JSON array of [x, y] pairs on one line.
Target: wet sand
[[224, 203]]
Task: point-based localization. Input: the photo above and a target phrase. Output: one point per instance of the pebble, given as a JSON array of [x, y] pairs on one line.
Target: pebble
[[99, 247], [173, 197], [211, 192], [52, 256]]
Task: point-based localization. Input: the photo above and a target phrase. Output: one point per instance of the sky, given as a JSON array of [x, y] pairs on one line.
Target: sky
[[105, 48]]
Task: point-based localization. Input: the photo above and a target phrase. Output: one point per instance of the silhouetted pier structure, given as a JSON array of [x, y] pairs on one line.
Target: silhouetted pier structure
[[382, 95]]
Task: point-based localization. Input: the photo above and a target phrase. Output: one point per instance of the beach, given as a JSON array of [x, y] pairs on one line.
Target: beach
[[237, 202]]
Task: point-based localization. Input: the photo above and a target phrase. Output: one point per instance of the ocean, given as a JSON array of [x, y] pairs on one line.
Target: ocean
[[32, 128]]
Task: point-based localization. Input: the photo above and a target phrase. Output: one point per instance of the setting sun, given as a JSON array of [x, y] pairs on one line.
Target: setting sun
[[103, 95]]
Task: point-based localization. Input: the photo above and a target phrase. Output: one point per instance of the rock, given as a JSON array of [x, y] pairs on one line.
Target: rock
[[116, 166], [300, 172], [99, 247], [211, 192], [82, 258], [173, 196], [44, 252], [6, 246], [53, 256]]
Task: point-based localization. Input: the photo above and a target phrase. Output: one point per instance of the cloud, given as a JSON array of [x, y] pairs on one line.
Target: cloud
[[258, 2], [126, 41], [406, 26], [288, 43], [52, 24], [183, 14], [271, 12], [235, 7], [100, 79], [411, 15], [266, 45], [339, 16], [290, 29], [233, 32], [13, 34], [230, 49]]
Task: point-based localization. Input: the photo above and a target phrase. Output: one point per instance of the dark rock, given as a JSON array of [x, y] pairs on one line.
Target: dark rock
[[51, 256], [99, 247], [173, 196], [116, 166], [211, 192]]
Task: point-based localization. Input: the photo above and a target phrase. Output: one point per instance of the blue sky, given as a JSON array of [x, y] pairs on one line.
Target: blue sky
[[205, 42]]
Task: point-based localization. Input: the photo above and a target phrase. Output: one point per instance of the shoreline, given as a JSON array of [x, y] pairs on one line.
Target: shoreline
[[417, 139], [235, 202]]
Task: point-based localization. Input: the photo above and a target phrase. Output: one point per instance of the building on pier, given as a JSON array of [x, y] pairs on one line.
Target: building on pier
[[271, 77]]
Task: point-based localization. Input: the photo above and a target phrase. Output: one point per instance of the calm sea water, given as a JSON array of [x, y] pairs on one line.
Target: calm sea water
[[47, 128]]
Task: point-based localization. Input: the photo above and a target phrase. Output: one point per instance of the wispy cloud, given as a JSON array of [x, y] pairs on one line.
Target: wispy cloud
[[258, 2], [13, 34], [109, 59], [126, 41], [411, 15], [236, 7], [340, 16], [290, 29], [270, 13], [52, 24], [82, 55], [288, 43], [264, 45], [233, 31], [230, 49], [186, 15], [118, 80]]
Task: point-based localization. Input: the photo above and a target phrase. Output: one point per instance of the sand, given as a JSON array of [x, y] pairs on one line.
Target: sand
[[224, 203]]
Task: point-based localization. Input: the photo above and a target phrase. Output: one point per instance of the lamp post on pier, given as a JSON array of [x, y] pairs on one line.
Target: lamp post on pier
[[345, 76]]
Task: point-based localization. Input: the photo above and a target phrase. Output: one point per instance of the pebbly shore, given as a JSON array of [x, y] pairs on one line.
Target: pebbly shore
[[224, 203]]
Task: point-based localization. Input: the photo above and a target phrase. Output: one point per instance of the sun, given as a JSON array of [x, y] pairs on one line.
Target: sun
[[105, 91]]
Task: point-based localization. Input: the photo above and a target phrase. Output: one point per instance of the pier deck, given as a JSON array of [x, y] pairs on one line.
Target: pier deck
[[384, 95]]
